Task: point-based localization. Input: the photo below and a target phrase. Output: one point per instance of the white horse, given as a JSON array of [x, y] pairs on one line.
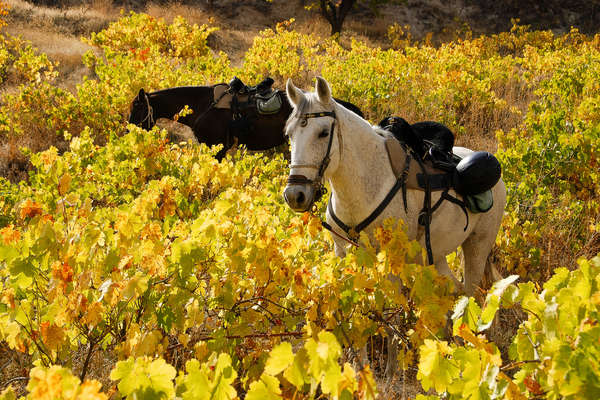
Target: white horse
[[332, 143]]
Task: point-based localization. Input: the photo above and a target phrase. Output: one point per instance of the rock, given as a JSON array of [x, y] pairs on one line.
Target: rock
[[177, 132]]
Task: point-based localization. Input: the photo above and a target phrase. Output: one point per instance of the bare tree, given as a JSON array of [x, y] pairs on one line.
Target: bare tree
[[336, 11]]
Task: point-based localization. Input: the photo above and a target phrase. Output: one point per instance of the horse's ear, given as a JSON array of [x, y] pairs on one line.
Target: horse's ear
[[141, 94], [294, 94], [323, 91]]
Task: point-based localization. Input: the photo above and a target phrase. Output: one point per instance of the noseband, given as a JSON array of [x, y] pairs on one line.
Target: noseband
[[320, 189]]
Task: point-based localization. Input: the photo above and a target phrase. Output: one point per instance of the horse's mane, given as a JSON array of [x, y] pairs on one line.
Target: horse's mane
[[309, 99]]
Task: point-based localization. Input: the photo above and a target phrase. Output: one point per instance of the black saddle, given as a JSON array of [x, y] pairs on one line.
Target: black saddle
[[238, 87], [428, 140]]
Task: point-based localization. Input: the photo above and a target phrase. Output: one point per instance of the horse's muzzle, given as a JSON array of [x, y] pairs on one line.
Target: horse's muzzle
[[300, 197]]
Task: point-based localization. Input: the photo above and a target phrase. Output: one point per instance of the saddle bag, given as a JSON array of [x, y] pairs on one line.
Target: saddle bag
[[480, 203], [269, 104], [477, 173]]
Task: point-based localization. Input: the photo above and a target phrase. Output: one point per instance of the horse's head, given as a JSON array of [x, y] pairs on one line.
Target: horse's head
[[315, 148], [141, 113]]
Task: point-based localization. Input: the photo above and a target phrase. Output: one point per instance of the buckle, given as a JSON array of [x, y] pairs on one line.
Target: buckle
[[424, 219], [353, 235]]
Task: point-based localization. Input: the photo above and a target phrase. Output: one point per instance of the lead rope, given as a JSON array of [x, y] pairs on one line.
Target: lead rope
[[330, 229], [150, 115]]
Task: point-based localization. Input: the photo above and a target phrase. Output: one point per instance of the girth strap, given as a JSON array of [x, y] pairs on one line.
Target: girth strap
[[436, 181]]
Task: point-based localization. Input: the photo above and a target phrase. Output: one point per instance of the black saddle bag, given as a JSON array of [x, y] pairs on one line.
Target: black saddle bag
[[477, 173]]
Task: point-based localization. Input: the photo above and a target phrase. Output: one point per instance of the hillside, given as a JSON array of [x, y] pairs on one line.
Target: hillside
[[56, 31]]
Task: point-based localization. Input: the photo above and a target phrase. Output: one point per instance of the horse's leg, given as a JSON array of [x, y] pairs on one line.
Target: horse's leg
[[392, 341], [443, 269], [476, 249], [339, 244], [221, 153]]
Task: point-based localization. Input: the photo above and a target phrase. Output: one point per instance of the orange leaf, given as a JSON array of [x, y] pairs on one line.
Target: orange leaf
[[10, 235], [533, 386], [52, 335], [30, 209]]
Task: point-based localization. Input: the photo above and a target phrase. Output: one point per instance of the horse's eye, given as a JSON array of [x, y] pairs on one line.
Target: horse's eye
[[323, 134]]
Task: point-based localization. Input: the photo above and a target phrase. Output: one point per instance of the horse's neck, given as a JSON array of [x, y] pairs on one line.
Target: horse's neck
[[163, 107], [364, 175], [167, 103]]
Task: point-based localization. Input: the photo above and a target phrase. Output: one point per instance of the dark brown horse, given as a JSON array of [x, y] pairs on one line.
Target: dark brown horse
[[213, 125]]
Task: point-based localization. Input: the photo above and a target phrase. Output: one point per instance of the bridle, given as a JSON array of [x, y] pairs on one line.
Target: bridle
[[317, 183], [150, 114]]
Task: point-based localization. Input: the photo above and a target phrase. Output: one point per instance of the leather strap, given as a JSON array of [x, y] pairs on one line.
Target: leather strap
[[353, 232]]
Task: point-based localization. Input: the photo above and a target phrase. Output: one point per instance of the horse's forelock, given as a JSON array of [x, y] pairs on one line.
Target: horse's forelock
[[307, 104]]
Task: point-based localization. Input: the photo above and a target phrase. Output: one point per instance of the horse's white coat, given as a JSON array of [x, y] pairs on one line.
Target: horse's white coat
[[360, 176]]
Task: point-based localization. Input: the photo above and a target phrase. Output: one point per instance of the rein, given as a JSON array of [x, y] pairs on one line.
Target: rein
[[150, 114]]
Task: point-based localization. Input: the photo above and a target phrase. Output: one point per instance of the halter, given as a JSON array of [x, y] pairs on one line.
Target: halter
[[320, 189], [150, 114]]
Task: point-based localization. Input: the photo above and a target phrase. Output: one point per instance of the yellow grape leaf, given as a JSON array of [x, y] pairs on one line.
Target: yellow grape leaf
[[64, 183], [367, 387], [10, 235], [93, 316], [266, 388], [52, 383], [435, 368], [348, 379], [297, 372], [331, 379], [8, 394], [314, 226], [90, 390], [224, 377], [279, 359], [137, 285], [30, 209]]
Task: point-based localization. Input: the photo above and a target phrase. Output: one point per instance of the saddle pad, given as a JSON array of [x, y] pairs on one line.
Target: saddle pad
[[225, 101], [480, 203], [397, 157], [270, 105]]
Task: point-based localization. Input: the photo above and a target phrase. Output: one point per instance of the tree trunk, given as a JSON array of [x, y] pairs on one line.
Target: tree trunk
[[335, 13]]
